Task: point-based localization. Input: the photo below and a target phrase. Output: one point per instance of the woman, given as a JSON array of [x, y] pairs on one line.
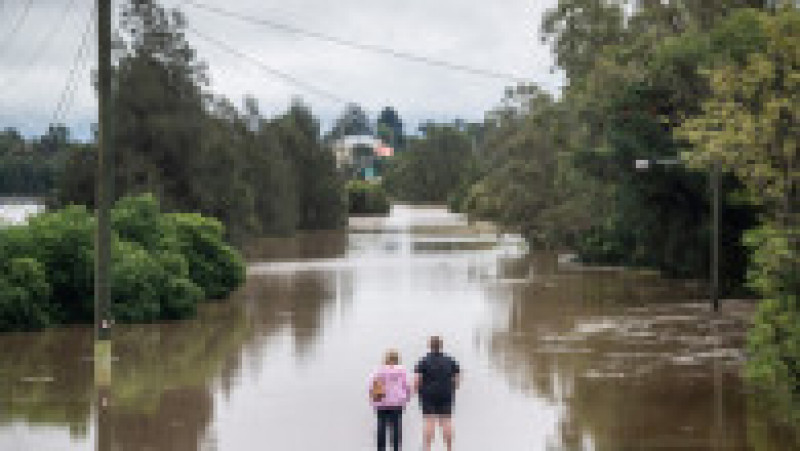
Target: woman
[[389, 392]]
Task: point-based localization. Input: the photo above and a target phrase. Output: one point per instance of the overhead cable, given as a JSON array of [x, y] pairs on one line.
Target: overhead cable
[[14, 29], [271, 70], [37, 52], [357, 45], [67, 93]]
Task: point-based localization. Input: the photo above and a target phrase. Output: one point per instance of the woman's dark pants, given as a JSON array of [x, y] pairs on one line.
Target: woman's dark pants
[[390, 418]]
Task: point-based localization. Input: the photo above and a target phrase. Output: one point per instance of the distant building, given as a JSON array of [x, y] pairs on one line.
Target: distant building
[[360, 155]]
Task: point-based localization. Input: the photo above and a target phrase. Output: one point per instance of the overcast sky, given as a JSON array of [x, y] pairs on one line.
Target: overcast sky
[[38, 48]]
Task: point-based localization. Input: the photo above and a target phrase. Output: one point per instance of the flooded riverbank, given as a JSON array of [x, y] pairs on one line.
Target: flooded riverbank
[[555, 355]]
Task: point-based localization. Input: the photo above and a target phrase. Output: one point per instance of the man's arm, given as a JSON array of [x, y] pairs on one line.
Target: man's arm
[[418, 369]]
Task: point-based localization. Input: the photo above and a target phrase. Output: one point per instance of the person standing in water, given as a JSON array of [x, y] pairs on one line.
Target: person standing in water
[[436, 378], [389, 392]]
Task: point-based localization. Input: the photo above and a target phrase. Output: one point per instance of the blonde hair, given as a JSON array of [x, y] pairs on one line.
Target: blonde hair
[[392, 357]]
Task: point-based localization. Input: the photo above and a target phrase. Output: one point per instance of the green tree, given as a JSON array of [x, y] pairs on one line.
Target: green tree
[[317, 183], [389, 128], [748, 126], [433, 167]]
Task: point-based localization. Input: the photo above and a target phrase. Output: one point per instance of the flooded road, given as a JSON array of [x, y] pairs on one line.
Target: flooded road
[[554, 355]]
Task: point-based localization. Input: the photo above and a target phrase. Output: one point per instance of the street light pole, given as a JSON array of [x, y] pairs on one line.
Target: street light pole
[[715, 213], [714, 181]]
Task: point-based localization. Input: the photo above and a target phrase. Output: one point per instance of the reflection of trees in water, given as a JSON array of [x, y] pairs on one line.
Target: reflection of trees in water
[[158, 358], [179, 422], [164, 375], [630, 360], [303, 245], [46, 378], [296, 301]]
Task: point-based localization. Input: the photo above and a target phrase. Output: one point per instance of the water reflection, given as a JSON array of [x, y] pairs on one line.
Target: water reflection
[[46, 379], [638, 362], [555, 356]]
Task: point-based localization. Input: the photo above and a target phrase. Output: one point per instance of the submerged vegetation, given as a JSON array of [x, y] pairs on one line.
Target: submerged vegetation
[[163, 265]]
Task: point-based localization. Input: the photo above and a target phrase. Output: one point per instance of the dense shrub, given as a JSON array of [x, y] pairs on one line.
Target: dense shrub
[[63, 243], [162, 266], [24, 294], [139, 220], [151, 286], [214, 265], [366, 198]]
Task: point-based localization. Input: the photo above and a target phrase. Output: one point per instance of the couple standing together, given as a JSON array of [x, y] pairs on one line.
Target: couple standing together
[[436, 379]]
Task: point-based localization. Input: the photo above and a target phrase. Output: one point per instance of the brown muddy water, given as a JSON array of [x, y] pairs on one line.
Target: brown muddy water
[[554, 355]]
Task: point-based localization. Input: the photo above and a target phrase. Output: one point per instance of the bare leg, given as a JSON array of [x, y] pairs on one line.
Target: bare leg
[[447, 431], [428, 430]]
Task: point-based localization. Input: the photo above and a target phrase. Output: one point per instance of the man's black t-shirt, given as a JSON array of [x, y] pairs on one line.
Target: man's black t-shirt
[[437, 372]]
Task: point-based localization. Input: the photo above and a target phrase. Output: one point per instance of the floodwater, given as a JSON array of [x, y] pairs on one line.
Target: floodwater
[[554, 355], [17, 210]]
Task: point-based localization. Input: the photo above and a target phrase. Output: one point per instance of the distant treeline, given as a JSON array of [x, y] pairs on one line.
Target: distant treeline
[[31, 166]]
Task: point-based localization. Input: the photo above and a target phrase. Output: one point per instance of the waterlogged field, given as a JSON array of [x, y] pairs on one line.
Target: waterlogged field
[[555, 355]]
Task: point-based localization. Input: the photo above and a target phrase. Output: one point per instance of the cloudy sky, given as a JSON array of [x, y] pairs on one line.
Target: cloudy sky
[[40, 41]]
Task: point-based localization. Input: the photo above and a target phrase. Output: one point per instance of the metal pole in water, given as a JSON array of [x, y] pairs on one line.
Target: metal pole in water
[[715, 207]]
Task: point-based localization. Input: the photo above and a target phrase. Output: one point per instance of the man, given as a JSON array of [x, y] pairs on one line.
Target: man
[[436, 379]]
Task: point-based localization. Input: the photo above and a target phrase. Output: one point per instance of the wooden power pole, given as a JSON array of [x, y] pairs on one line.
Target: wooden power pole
[[105, 198], [105, 180]]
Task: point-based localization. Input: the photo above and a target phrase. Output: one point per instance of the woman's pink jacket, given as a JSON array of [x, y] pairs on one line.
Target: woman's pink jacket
[[395, 380]]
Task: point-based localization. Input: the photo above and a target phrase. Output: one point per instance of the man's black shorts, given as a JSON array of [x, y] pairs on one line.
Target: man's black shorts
[[441, 406]]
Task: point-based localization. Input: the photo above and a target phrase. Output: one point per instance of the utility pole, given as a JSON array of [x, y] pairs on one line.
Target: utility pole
[[105, 197], [715, 213], [105, 180]]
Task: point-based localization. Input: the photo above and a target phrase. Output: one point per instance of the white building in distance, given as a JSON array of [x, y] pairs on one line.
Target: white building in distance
[[358, 154]]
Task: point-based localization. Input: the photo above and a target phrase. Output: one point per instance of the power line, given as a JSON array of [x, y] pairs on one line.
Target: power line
[[39, 49], [13, 30], [358, 45], [67, 94], [271, 70]]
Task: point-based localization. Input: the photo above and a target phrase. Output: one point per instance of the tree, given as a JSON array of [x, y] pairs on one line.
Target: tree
[[319, 187], [159, 104], [528, 185], [749, 123], [390, 128], [749, 126], [200, 153], [433, 167]]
